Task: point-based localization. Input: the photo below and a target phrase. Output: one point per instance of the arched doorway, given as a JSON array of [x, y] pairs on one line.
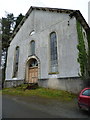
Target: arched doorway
[[32, 70]]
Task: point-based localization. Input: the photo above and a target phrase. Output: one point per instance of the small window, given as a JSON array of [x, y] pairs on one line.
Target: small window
[[86, 92], [32, 46], [32, 32]]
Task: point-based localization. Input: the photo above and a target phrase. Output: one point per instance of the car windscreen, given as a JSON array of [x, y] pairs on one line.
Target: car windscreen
[[86, 92]]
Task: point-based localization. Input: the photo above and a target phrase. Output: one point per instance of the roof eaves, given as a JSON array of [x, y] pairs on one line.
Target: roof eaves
[[81, 19]]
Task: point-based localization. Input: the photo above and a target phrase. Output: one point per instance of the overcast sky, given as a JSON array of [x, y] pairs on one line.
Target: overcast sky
[[21, 6]]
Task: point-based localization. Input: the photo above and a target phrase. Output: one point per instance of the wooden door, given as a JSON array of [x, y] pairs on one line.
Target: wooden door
[[33, 74]]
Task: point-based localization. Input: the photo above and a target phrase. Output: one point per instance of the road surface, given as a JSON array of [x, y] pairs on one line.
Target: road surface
[[19, 109], [36, 107]]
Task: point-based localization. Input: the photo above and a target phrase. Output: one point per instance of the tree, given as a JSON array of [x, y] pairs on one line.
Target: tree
[[8, 25], [7, 30], [18, 20]]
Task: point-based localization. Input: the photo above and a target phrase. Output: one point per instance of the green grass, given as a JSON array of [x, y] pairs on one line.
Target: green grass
[[0, 92], [42, 92]]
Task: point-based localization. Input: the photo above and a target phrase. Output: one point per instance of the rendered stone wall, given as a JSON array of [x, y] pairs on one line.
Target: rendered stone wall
[[66, 44], [73, 85], [13, 83]]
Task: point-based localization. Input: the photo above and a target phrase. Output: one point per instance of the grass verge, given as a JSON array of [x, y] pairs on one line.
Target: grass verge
[[42, 92], [0, 92]]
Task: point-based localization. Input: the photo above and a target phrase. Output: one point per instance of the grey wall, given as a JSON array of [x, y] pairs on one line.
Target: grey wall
[[45, 22], [73, 85]]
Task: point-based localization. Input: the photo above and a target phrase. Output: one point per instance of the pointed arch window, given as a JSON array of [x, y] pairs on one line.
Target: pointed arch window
[[53, 53], [16, 60], [32, 46]]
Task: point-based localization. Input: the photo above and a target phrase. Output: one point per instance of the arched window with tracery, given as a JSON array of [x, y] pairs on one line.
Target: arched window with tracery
[[53, 53]]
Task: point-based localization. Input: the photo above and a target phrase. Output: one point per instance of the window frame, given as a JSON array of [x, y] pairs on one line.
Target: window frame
[[51, 55], [32, 51], [16, 62], [85, 91]]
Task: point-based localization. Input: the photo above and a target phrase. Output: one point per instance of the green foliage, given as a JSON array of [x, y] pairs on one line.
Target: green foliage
[[9, 24], [41, 92], [0, 92], [7, 29], [88, 38], [18, 20], [82, 55]]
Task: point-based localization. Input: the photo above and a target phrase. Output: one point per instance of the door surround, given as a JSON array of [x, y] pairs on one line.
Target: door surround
[[30, 58]]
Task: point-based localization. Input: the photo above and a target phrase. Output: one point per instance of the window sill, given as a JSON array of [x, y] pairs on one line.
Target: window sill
[[53, 73]]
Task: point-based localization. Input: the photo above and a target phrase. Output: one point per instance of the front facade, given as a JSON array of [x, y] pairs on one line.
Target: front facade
[[44, 50]]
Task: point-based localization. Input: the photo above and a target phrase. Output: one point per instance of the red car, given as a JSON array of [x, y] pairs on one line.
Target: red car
[[84, 99]]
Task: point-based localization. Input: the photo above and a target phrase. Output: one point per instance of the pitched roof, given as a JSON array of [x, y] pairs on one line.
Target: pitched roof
[[75, 13]]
